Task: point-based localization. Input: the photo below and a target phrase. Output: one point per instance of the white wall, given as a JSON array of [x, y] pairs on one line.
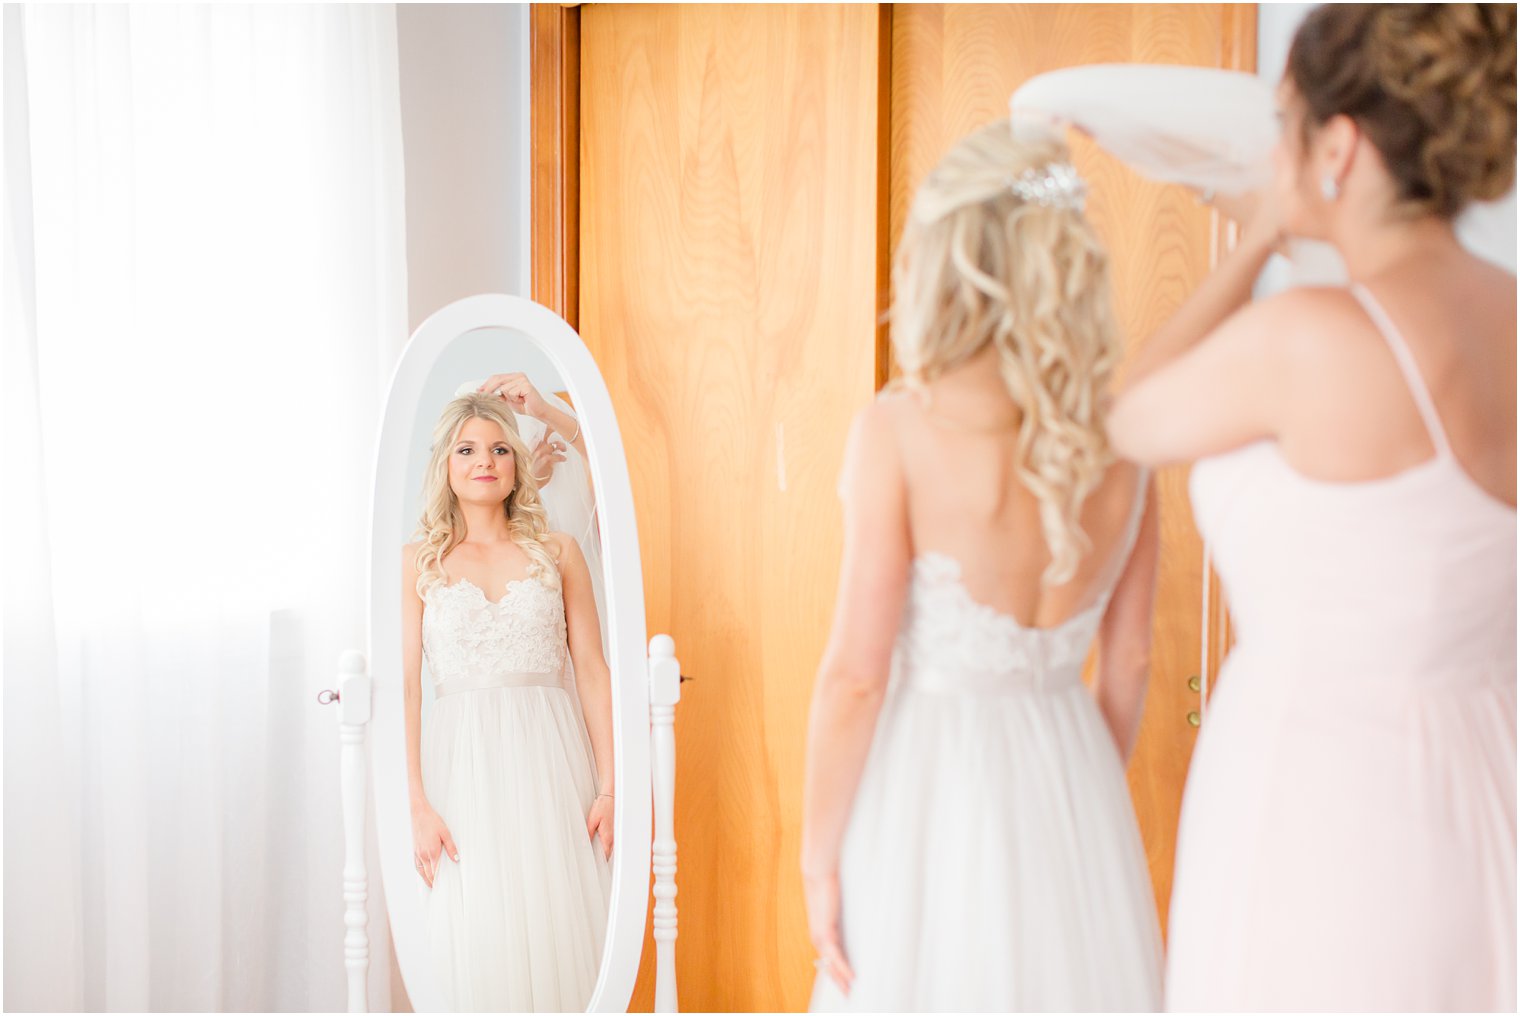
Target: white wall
[[464, 123], [464, 132]]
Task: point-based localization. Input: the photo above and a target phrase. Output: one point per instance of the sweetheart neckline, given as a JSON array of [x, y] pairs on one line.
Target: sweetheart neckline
[[1000, 615], [510, 585]]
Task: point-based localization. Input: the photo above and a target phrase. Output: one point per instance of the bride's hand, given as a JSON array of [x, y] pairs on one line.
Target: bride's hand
[[519, 393], [822, 893], [599, 822], [430, 837]]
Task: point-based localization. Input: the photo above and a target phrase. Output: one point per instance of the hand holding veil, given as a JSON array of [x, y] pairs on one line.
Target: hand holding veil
[[1211, 130]]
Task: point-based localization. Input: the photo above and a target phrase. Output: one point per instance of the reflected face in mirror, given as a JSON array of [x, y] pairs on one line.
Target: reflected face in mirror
[[482, 466], [510, 746], [510, 758]]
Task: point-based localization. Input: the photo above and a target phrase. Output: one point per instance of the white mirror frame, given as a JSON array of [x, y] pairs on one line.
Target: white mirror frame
[[625, 641]]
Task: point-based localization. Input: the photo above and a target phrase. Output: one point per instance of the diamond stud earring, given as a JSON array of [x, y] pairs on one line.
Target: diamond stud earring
[[1329, 187]]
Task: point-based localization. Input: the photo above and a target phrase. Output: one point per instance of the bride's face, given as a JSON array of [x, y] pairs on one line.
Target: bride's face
[[482, 467]]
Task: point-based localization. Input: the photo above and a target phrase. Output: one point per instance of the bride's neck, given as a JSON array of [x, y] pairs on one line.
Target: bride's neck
[[485, 523], [974, 391]]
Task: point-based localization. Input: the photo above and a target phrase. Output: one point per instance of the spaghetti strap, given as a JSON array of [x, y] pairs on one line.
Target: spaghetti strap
[[1408, 367]]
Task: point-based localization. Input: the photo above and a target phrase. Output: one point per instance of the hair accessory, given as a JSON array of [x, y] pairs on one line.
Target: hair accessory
[[1054, 185]]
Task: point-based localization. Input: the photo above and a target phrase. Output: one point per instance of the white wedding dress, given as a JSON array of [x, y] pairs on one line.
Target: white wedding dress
[[992, 860], [517, 924]]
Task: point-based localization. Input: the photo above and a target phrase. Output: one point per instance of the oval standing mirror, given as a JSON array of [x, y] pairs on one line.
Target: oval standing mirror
[[513, 805]]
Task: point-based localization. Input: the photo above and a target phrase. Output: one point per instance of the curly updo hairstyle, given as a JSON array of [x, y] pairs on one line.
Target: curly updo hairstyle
[[1432, 86]]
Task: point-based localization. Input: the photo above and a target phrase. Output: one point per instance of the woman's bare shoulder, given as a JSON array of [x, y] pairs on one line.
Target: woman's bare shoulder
[[561, 544]]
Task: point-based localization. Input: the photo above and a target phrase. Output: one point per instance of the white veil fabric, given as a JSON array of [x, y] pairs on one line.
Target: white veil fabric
[[1208, 129]]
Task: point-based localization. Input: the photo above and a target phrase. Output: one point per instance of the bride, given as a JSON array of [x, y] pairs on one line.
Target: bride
[[968, 839], [512, 815]]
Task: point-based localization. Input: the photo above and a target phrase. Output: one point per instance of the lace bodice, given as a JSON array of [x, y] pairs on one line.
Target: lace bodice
[[951, 643], [466, 636]]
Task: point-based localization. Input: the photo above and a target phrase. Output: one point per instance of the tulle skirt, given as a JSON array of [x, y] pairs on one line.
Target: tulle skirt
[[518, 923], [993, 862]]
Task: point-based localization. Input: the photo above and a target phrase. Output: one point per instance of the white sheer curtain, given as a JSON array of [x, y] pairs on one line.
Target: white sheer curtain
[[204, 298]]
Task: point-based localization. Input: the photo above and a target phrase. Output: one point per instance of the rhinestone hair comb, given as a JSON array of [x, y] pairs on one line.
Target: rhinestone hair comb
[[1054, 185]]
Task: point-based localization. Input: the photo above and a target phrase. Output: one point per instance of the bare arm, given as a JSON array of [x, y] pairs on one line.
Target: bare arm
[[1226, 290], [566, 426], [1239, 385], [1124, 639], [560, 422], [524, 398], [593, 679], [852, 677], [1190, 391]]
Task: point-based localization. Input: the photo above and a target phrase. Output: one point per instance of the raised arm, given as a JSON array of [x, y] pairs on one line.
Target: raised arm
[[852, 678], [1246, 381], [524, 398], [1124, 639], [593, 679], [1197, 384]]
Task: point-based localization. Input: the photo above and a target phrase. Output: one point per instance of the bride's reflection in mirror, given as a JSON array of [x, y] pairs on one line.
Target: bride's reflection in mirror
[[551, 430], [511, 777]]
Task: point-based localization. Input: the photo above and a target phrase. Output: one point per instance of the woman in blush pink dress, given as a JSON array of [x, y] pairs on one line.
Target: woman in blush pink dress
[[1348, 832]]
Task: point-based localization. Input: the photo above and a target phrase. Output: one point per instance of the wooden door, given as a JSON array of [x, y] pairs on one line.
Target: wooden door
[[728, 290], [740, 177]]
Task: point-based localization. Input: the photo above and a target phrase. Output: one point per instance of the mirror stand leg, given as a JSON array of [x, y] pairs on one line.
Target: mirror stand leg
[[664, 693], [353, 701]]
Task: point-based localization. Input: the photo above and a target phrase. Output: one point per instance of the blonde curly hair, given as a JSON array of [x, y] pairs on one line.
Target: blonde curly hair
[[442, 525], [977, 264]]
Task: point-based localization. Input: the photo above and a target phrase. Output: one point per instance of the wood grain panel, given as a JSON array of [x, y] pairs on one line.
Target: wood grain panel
[[954, 67], [554, 89], [730, 274]]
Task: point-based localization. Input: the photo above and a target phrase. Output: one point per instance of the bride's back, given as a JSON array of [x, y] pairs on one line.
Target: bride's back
[[985, 522], [967, 501], [1002, 325]]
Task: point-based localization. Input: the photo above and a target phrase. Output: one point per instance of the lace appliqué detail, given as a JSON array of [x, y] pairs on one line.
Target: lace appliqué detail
[[950, 642], [464, 633]]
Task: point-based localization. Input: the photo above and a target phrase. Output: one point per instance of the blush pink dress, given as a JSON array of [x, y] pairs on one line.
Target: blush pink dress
[[1347, 839]]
